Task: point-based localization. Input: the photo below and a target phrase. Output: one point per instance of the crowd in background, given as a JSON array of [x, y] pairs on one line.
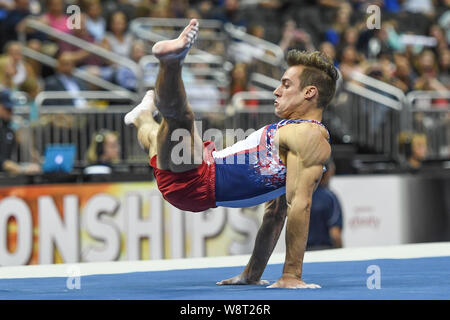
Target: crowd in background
[[393, 53], [409, 49]]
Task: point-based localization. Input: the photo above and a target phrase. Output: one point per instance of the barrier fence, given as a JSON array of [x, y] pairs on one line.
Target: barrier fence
[[429, 113], [369, 120]]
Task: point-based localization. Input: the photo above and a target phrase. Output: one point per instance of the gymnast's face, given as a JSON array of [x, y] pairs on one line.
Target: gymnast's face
[[291, 101]]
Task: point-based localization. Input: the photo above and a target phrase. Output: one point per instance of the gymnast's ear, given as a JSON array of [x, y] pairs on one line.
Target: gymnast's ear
[[310, 92]]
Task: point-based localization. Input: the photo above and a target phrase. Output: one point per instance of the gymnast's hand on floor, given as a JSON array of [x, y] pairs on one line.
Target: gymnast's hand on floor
[[241, 279]]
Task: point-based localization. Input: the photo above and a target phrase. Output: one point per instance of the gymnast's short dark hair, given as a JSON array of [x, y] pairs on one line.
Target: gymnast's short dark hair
[[319, 71]]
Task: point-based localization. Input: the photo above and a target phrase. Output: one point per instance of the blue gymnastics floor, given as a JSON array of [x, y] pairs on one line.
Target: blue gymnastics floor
[[418, 278]]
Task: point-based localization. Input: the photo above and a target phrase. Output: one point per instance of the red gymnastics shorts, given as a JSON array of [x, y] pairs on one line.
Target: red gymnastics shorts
[[193, 190]]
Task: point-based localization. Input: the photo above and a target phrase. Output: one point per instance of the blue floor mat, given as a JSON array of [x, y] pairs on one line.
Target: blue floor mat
[[420, 278]]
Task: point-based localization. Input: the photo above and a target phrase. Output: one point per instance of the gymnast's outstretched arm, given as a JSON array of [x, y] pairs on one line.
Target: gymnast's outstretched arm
[[266, 240]]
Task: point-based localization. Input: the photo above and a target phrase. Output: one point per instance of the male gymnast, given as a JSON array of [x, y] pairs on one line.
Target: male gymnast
[[280, 164]]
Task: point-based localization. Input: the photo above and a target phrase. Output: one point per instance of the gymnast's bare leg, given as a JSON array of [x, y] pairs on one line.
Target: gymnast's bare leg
[[169, 98]]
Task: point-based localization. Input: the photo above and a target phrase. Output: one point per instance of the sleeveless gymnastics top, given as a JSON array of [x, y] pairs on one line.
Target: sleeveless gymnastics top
[[250, 171]]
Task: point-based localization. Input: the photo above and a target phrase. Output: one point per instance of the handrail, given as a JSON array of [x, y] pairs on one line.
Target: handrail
[[239, 97], [87, 46], [176, 22], [372, 95], [78, 73], [411, 96], [219, 73], [277, 60], [267, 81], [111, 95], [375, 83]]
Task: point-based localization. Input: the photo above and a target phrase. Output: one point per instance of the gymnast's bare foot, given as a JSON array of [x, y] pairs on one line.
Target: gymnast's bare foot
[[177, 49]]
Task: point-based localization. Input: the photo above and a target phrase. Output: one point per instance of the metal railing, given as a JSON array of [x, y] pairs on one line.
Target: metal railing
[[368, 122], [74, 125], [266, 57], [429, 113], [85, 45], [210, 68], [70, 125], [118, 95], [82, 44], [262, 82], [271, 53]]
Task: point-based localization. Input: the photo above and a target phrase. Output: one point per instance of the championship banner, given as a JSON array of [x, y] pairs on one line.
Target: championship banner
[[45, 224]]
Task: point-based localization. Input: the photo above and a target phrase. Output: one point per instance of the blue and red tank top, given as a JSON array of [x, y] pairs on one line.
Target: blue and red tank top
[[250, 171]]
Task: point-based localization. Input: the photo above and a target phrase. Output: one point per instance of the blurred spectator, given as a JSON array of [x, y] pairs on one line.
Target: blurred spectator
[[6, 5], [387, 67], [85, 60], [8, 140], [325, 223], [404, 73], [350, 61], [230, 13], [119, 40], [192, 13], [294, 38], [444, 18], [310, 16], [12, 61], [55, 16], [444, 67], [32, 88], [439, 34], [78, 55], [154, 9], [126, 6], [414, 148], [12, 21], [265, 13], [36, 45], [179, 8], [125, 77], [103, 152], [428, 70], [63, 80], [328, 49], [340, 23], [349, 38], [239, 78], [205, 8], [240, 82], [95, 23]]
